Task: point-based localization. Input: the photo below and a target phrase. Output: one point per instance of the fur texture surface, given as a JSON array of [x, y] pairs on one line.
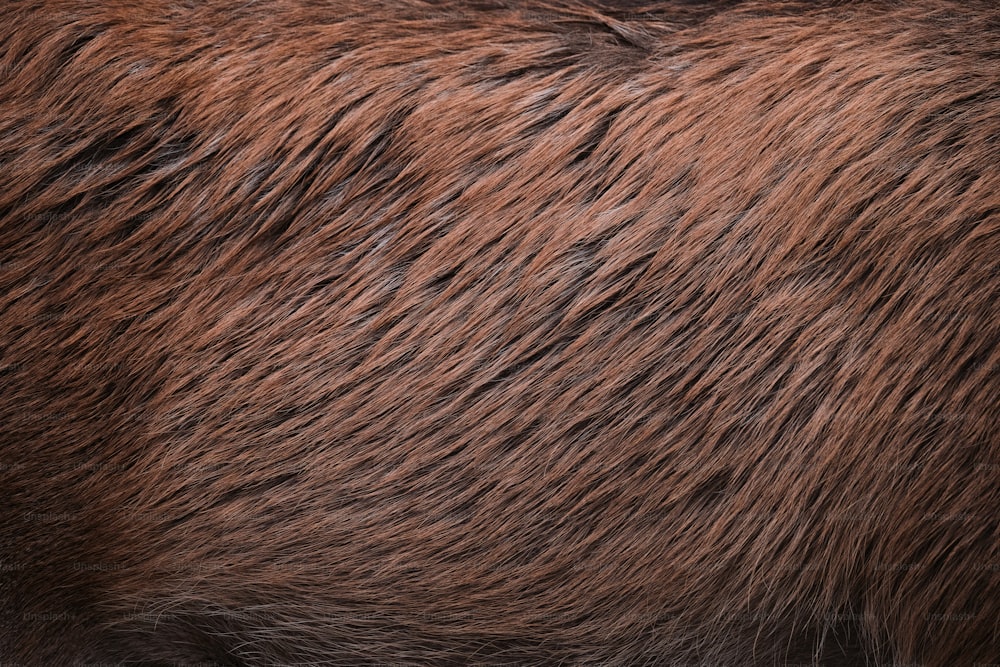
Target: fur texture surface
[[499, 333]]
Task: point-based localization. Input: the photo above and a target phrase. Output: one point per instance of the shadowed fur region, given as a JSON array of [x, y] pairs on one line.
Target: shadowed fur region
[[553, 332]]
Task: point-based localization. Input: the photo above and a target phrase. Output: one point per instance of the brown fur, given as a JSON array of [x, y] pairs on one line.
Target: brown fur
[[414, 332]]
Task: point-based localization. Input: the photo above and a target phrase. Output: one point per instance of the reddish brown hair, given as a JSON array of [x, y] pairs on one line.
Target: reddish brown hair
[[533, 333]]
